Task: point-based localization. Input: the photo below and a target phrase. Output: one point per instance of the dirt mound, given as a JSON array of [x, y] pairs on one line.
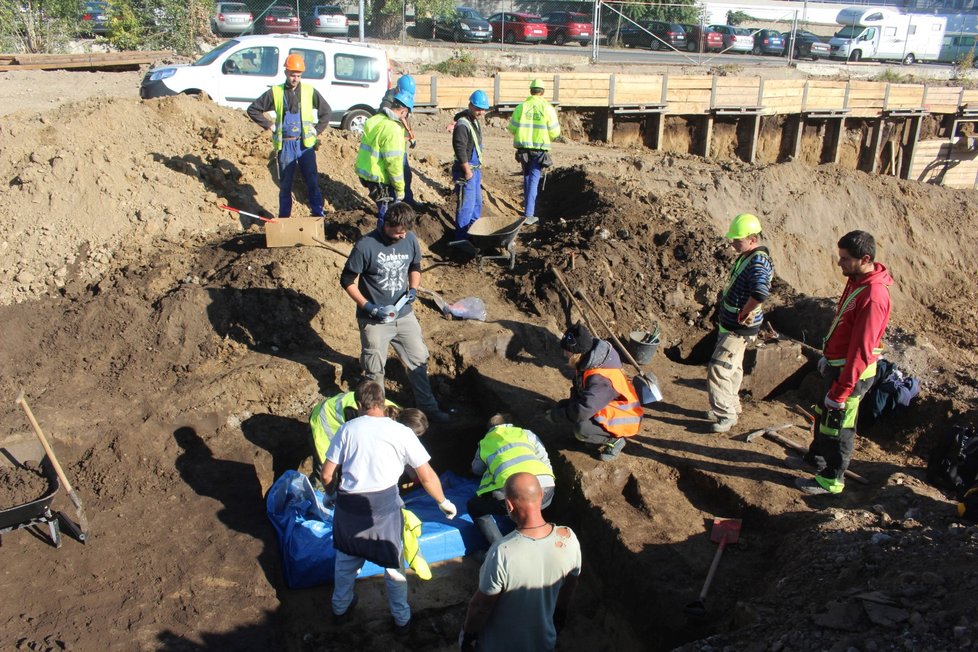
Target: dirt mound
[[173, 360]]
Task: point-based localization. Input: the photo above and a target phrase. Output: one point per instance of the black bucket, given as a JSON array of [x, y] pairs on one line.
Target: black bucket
[[644, 345]]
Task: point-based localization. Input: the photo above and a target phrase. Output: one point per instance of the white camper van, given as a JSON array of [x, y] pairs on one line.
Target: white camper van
[[886, 35]]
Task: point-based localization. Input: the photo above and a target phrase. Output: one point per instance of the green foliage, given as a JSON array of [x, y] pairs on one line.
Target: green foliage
[[460, 64], [965, 64], [677, 11], [894, 77], [738, 17], [37, 25], [125, 30]]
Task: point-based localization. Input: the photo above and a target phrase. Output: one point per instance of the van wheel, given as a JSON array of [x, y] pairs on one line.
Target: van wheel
[[690, 47], [354, 120], [756, 51], [510, 37], [909, 60], [855, 55]]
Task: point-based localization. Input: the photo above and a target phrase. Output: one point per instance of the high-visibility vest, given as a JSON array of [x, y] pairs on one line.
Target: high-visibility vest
[[736, 271], [622, 417], [381, 155], [506, 450], [305, 115], [327, 417], [411, 537], [841, 362], [475, 141], [534, 124]]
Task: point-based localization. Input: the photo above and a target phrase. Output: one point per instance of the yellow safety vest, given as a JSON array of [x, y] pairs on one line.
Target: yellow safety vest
[[505, 451], [327, 417], [381, 155], [534, 124], [412, 545], [305, 115]]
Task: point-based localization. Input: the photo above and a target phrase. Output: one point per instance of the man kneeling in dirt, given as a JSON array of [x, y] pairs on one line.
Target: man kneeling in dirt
[[368, 523], [848, 364], [505, 451], [527, 580], [603, 406]]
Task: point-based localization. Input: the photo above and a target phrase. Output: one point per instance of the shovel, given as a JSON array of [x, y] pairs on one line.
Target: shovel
[[82, 532], [725, 531]]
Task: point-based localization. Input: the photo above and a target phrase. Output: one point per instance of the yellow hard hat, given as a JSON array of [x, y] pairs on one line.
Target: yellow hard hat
[[536, 83], [743, 225], [295, 63]]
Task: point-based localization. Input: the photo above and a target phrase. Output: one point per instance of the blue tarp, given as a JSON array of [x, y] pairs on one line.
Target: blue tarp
[[304, 525]]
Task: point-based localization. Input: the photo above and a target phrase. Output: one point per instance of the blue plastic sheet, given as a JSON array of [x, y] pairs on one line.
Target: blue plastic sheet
[[304, 526]]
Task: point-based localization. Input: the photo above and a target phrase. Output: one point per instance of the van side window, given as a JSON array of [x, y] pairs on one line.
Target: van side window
[[891, 31], [257, 61], [315, 63], [352, 67]]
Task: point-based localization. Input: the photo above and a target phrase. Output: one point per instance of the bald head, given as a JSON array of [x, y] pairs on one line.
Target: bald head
[[524, 488]]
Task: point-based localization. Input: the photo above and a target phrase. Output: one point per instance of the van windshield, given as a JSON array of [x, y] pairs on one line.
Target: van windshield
[[211, 56], [849, 31]]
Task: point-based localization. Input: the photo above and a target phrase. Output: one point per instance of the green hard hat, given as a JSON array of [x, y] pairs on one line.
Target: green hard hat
[[743, 225], [536, 83]]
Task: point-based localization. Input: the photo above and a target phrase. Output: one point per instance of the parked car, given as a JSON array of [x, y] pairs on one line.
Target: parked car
[[655, 35], [326, 20], [705, 40], [568, 27], [957, 47], [512, 26], [466, 24], [735, 39], [94, 18], [280, 19], [232, 18], [768, 41], [353, 76], [806, 45]]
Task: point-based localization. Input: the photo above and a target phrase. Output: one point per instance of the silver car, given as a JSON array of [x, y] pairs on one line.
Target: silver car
[[735, 39], [326, 20], [232, 18]]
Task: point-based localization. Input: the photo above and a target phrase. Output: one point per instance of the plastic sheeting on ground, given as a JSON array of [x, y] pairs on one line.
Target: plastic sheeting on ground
[[304, 526]]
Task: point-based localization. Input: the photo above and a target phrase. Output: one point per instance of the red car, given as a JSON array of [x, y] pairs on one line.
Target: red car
[[281, 20], [515, 26], [568, 27], [705, 41]]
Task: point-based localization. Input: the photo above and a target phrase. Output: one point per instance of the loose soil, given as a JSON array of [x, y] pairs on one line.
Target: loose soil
[[172, 359], [21, 484]]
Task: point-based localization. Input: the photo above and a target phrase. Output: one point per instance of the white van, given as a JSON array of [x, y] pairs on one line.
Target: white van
[[351, 77], [886, 35]]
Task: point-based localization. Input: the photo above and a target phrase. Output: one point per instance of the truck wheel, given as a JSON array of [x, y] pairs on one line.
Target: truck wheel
[[910, 59], [354, 120], [855, 55]]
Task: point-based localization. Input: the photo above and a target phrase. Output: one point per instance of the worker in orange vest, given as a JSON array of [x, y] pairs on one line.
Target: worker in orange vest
[[603, 406]]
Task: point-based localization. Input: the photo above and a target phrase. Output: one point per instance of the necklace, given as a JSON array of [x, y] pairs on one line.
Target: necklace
[[533, 527]]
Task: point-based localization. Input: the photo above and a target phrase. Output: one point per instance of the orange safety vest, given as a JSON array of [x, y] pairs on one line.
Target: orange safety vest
[[623, 416]]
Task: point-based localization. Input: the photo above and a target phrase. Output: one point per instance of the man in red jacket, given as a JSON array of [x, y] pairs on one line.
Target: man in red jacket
[[849, 354]]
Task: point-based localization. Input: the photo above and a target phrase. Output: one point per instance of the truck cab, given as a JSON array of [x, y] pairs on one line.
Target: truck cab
[[886, 35]]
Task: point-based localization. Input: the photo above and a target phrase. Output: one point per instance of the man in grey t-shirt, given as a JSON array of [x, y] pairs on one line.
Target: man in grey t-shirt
[[526, 581], [382, 276]]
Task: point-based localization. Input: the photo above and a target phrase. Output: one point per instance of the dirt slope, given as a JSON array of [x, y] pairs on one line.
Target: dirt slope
[[173, 361]]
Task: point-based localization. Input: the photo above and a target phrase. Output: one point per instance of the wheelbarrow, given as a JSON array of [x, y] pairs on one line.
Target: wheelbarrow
[[36, 512], [493, 234]]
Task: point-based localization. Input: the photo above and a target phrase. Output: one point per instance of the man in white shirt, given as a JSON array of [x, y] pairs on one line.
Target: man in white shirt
[[367, 524]]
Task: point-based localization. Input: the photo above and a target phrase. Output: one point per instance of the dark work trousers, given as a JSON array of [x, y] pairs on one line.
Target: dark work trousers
[[307, 168], [483, 508], [831, 450]]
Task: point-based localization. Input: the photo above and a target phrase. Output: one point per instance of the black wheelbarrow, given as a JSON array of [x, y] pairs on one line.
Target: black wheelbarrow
[[36, 512], [492, 237]]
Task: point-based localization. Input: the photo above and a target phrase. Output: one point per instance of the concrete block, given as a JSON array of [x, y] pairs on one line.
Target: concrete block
[[771, 365], [470, 352]]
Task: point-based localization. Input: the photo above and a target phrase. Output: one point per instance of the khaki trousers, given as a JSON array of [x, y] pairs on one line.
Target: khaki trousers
[[725, 373]]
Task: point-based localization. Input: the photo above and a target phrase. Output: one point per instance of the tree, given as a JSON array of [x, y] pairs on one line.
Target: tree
[[386, 15]]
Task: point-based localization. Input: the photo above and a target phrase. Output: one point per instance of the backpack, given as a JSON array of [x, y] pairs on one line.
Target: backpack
[[953, 462]]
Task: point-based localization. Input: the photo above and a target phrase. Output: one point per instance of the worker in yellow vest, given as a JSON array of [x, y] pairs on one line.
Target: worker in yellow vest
[[325, 421], [380, 161], [294, 134], [534, 126], [504, 450]]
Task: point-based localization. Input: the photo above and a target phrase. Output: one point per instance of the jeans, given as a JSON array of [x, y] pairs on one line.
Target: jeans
[[408, 193], [468, 203], [307, 167], [532, 172], [345, 576], [404, 334]]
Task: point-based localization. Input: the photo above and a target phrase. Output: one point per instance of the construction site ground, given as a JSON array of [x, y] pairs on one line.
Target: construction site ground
[[172, 360]]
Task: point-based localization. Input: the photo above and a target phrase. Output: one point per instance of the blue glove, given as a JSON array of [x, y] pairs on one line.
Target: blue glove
[[412, 294], [373, 310]]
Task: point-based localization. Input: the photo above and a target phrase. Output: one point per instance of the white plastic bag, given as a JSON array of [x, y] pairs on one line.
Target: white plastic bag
[[467, 308]]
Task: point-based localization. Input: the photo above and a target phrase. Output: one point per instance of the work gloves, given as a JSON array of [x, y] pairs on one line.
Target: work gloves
[[823, 367], [373, 310], [412, 294], [448, 509]]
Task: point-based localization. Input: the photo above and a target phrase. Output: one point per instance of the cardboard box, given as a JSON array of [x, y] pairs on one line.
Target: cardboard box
[[292, 231]]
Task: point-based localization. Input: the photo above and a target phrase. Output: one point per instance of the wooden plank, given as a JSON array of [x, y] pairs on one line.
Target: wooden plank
[[943, 99], [690, 82]]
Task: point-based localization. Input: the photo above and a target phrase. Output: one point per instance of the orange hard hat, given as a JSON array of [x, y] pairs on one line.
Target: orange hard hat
[[295, 63]]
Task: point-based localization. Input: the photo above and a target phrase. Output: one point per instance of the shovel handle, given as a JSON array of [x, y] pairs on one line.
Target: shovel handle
[[614, 338], [570, 295], [44, 442], [713, 567], [241, 212]]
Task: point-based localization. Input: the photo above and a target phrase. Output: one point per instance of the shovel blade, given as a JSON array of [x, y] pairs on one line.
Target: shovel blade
[[725, 529]]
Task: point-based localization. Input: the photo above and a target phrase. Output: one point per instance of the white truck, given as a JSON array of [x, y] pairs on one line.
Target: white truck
[[887, 35]]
